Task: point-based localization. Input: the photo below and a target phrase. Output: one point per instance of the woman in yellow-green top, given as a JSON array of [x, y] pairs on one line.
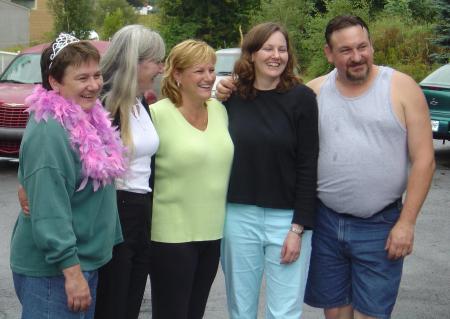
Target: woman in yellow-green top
[[191, 179]]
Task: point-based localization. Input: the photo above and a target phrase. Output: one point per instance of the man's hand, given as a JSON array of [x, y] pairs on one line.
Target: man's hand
[[23, 200], [291, 248], [77, 289], [224, 88], [400, 240]]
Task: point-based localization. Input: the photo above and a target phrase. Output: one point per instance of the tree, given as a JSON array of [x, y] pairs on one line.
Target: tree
[[295, 15], [423, 10], [72, 16], [216, 22], [442, 30], [137, 3], [111, 15], [398, 8], [314, 39], [113, 22]]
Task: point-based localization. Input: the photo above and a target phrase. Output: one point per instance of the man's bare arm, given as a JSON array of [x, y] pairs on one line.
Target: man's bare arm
[[420, 144]]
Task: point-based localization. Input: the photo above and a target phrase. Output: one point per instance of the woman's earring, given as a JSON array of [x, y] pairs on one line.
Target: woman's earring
[[178, 84]]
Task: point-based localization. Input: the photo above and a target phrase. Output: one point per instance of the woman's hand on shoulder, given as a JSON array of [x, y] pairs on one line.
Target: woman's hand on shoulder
[[224, 88]]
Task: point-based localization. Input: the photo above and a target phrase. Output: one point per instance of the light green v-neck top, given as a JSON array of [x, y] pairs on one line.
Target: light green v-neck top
[[192, 170]]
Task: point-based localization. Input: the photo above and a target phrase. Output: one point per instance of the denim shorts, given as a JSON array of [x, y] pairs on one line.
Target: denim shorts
[[45, 297], [349, 265]]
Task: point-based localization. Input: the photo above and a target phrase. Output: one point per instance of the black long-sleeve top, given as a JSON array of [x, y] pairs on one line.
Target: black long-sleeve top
[[276, 146]]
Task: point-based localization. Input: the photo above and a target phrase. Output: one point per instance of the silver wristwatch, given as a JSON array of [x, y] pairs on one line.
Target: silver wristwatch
[[298, 229]]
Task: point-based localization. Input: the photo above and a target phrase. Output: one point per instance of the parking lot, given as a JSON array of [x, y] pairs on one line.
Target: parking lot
[[425, 288]]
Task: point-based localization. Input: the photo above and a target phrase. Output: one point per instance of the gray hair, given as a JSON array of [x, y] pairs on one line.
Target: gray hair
[[129, 46]]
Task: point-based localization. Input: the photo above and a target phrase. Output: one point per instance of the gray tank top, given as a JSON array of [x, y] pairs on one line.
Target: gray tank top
[[363, 158]]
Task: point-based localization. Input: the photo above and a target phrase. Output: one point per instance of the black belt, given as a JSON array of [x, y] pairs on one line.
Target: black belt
[[395, 204]]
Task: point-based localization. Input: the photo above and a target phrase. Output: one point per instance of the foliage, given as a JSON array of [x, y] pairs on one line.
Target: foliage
[[417, 10], [113, 22], [442, 30], [136, 3], [398, 8], [216, 22], [152, 21], [111, 15], [423, 10], [295, 20], [403, 46], [68, 18]]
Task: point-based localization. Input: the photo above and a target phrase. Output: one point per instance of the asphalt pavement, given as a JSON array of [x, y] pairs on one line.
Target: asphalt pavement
[[425, 287]]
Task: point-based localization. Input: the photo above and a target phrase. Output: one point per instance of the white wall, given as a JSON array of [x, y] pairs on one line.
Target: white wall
[[14, 24]]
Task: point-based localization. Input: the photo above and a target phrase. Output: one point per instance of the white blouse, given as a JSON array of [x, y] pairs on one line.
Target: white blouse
[[145, 144]]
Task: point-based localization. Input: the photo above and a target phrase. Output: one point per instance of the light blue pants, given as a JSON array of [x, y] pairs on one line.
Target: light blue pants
[[252, 242]]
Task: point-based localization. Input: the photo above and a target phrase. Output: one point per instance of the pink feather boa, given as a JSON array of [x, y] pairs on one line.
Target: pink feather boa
[[90, 133]]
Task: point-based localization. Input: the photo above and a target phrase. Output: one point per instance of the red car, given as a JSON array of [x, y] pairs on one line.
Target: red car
[[16, 83]]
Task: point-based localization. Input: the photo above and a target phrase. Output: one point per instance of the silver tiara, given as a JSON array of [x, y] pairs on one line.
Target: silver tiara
[[63, 40]]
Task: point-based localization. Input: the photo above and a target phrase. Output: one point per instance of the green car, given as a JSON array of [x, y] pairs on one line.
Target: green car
[[436, 88]]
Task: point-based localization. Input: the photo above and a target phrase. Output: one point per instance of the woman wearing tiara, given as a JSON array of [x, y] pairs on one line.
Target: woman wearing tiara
[[69, 158]]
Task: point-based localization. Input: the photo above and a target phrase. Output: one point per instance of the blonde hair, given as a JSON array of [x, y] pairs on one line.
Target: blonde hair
[[129, 46], [182, 56]]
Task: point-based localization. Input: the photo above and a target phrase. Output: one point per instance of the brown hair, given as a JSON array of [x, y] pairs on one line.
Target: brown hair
[[342, 22], [75, 54], [244, 69], [182, 56]]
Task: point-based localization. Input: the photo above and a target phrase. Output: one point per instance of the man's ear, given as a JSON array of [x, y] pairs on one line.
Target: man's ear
[[53, 83], [329, 55]]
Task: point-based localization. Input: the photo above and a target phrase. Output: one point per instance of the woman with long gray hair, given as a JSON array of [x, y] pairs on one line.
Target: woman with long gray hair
[[129, 68]]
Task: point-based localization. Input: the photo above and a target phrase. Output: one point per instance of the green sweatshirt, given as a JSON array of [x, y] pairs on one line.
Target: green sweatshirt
[[65, 226]]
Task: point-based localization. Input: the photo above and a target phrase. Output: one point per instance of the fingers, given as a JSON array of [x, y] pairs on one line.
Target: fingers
[[224, 89], [293, 257], [79, 303], [77, 289], [290, 257], [400, 240], [222, 94], [283, 251], [291, 248], [396, 251]]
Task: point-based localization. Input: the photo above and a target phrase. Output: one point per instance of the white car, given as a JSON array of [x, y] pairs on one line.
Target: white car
[[225, 64]]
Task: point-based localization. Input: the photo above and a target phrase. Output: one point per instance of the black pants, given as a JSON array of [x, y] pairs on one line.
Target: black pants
[[181, 278], [121, 282]]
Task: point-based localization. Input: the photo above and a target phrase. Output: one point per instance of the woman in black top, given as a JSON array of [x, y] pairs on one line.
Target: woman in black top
[[271, 197]]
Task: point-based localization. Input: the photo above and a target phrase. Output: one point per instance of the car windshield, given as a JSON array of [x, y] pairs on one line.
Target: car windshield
[[225, 63], [440, 76], [24, 69]]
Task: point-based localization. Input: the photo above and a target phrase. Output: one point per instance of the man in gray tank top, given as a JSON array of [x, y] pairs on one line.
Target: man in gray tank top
[[373, 123]]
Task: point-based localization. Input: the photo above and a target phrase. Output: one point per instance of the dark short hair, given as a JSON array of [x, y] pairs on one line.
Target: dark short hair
[[73, 54], [342, 22], [244, 68]]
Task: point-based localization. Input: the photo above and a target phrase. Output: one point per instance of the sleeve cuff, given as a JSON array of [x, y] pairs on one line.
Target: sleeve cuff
[[68, 262]]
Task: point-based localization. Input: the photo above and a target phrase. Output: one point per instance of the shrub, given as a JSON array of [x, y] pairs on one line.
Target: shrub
[[403, 45]]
